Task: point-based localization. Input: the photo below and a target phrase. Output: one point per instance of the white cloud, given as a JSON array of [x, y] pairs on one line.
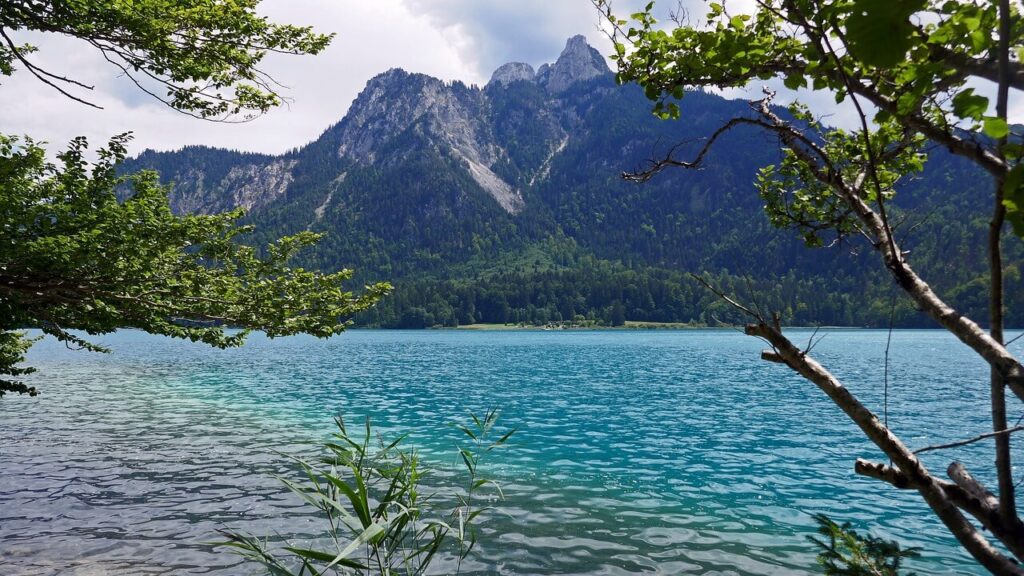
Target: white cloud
[[450, 39], [493, 32], [371, 37]]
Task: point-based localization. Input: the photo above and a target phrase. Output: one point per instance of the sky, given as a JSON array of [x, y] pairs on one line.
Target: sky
[[449, 39]]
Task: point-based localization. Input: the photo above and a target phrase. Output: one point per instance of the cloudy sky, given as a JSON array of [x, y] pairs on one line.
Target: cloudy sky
[[450, 39]]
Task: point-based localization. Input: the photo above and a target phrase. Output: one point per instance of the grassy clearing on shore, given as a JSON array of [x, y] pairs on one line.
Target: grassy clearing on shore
[[630, 324], [496, 327]]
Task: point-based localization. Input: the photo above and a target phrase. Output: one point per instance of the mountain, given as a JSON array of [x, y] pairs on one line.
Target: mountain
[[504, 203]]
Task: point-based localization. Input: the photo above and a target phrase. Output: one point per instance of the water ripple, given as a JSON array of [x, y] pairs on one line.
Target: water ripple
[[639, 452]]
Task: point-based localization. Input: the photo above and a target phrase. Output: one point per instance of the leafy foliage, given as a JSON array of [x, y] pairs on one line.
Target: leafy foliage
[[76, 258], [910, 60], [206, 55], [378, 518], [844, 552]]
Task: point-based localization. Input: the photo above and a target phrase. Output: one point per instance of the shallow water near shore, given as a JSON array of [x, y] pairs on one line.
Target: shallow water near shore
[[638, 452]]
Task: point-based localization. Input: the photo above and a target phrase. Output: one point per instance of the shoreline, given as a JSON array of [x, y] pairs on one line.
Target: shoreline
[[567, 327], [629, 326]]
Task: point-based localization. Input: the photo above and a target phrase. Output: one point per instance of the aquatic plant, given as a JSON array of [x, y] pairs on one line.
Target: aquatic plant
[[378, 520], [845, 552]]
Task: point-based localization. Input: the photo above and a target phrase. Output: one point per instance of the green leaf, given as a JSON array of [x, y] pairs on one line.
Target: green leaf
[[467, 457], [1013, 199], [325, 557], [794, 81], [968, 105], [353, 496], [1012, 150], [506, 436], [880, 32], [371, 532], [994, 127]]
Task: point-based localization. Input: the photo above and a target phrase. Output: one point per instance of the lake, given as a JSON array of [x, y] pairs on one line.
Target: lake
[[658, 452]]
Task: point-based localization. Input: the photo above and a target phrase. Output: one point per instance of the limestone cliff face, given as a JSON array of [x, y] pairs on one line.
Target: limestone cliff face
[[452, 117], [396, 100], [253, 187], [461, 120], [207, 181]]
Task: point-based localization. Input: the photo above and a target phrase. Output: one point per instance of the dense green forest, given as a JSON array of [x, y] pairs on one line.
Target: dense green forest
[[598, 292]]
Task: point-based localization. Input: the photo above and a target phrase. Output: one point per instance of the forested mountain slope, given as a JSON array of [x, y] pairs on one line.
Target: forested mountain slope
[[504, 203]]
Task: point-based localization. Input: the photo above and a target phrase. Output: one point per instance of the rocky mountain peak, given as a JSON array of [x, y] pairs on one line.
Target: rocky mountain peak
[[389, 104], [512, 72], [448, 115], [578, 61]]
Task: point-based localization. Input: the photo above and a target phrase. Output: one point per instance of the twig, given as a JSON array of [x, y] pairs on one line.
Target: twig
[[810, 341], [979, 438], [723, 296], [657, 166], [752, 294], [41, 74], [888, 345]]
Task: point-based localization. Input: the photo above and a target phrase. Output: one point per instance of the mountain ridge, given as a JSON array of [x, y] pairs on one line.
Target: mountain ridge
[[449, 108], [425, 181]]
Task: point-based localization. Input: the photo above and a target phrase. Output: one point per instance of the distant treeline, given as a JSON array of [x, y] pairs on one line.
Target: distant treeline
[[609, 295]]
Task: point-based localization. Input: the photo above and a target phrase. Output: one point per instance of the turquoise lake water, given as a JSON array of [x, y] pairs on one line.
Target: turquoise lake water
[[638, 452]]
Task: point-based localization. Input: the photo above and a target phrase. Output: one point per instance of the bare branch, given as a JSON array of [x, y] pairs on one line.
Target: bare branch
[[44, 76], [977, 438], [917, 475], [1004, 466], [726, 298], [962, 478], [989, 69], [966, 492], [668, 161]]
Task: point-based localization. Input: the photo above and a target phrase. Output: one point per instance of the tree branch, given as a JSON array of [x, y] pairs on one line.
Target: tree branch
[[668, 161], [978, 438], [966, 492], [987, 69], [916, 474], [968, 331], [932, 490], [726, 298], [1004, 466], [42, 75]]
